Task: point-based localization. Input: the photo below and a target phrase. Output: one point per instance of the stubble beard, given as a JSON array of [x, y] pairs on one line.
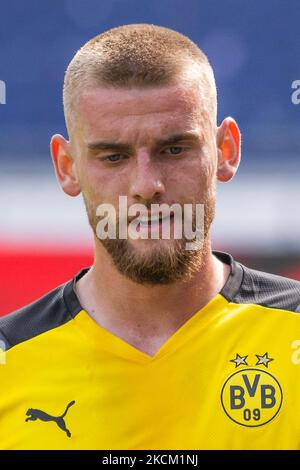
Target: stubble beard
[[161, 265]]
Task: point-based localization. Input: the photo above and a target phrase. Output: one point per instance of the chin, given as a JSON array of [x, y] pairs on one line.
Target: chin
[[152, 245]]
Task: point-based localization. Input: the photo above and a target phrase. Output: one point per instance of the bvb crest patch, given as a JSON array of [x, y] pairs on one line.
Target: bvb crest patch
[[251, 396]]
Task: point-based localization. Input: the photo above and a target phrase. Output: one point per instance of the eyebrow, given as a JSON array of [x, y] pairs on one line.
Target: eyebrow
[[173, 139]]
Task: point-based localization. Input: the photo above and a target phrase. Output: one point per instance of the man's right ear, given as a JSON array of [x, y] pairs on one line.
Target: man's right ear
[[64, 165]]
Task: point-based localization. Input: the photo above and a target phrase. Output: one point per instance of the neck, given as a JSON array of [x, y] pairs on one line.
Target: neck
[[146, 316]]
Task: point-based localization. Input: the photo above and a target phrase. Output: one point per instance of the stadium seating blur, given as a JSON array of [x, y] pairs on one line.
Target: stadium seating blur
[[254, 50]]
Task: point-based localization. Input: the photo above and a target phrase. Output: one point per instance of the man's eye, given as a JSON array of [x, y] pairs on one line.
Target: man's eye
[[176, 150], [113, 158]]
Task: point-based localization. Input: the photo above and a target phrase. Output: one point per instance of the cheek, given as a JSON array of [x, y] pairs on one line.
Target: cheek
[[99, 185], [193, 180]]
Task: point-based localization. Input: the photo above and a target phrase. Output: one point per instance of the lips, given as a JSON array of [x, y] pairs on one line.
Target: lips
[[146, 220]]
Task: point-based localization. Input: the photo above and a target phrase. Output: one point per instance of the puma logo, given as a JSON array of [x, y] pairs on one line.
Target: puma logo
[[34, 414]]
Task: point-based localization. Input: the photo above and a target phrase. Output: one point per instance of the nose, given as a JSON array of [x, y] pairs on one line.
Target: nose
[[146, 179]]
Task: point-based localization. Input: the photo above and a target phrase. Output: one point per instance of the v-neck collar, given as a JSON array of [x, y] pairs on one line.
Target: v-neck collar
[[105, 340]]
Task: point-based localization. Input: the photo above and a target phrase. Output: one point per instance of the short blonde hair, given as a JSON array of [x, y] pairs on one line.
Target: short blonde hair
[[138, 55]]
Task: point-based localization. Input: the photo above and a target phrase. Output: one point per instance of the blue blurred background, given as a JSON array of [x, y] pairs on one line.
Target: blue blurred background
[[253, 46], [254, 49]]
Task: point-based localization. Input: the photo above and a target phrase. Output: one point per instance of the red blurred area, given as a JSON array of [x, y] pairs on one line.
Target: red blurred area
[[27, 274]]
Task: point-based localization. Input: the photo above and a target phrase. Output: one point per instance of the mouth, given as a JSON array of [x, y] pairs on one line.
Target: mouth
[[151, 221]]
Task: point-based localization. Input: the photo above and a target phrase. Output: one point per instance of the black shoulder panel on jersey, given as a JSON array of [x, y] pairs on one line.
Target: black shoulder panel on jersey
[[46, 313], [42, 315], [249, 286]]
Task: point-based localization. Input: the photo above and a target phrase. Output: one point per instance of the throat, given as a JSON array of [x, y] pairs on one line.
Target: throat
[[146, 318]]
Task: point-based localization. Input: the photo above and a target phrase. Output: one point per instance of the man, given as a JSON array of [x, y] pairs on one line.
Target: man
[[155, 346]]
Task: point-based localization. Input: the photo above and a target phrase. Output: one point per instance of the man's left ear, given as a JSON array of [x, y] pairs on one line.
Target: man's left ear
[[229, 149]]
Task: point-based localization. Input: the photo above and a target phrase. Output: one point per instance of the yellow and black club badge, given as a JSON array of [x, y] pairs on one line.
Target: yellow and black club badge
[[251, 396]]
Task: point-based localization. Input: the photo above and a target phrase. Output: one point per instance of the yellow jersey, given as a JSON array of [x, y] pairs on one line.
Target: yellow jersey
[[229, 378]]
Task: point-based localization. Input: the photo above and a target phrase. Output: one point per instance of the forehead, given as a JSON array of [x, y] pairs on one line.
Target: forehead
[[109, 110]]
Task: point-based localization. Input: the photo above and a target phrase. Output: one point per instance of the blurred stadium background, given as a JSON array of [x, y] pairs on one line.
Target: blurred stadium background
[[254, 49]]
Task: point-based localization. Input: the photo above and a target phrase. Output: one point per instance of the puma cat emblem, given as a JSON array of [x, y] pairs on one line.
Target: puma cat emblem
[[34, 414]]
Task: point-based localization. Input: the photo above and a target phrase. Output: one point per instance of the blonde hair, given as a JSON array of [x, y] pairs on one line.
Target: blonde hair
[[138, 55]]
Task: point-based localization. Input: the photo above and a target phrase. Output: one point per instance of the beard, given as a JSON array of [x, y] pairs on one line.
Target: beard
[[162, 264]]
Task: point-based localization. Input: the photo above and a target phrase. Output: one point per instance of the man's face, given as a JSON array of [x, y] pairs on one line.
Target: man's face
[[146, 169]]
